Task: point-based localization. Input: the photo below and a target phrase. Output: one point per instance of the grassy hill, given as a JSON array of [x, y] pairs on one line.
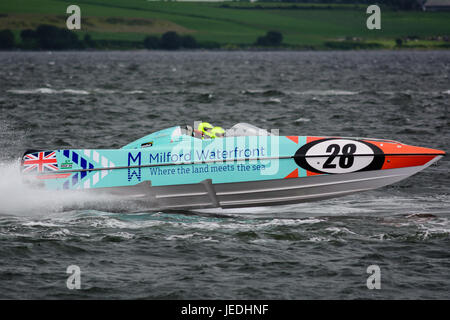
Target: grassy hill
[[230, 23]]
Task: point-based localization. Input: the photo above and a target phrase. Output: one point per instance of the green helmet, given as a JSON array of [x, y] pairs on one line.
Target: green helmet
[[205, 128], [217, 132]]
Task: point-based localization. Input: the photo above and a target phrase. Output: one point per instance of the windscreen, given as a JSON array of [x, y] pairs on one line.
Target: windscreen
[[246, 129]]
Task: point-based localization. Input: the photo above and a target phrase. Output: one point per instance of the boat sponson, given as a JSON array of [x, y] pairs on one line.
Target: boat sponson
[[263, 193]]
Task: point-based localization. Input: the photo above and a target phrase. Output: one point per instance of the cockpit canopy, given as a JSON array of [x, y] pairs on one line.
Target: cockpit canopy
[[172, 134], [246, 129], [238, 130]]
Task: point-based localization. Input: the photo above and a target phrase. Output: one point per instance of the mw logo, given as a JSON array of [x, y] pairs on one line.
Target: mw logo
[[132, 162]]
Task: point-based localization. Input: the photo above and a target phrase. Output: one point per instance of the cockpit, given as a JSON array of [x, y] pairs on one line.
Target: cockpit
[[238, 130], [180, 133]]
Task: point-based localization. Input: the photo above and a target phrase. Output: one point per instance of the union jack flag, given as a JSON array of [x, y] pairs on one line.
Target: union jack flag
[[40, 162]]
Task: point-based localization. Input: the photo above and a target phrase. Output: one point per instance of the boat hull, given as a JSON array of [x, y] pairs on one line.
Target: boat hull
[[186, 172], [261, 193]]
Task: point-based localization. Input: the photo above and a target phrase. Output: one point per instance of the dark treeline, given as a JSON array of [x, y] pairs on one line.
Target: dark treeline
[[173, 41], [6, 39], [47, 37], [271, 39], [396, 4], [50, 37]]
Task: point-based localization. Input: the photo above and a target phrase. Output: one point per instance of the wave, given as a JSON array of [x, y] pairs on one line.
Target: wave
[[134, 92], [325, 92], [332, 92], [266, 93], [71, 91], [273, 92], [18, 198], [47, 91], [273, 101], [302, 120]]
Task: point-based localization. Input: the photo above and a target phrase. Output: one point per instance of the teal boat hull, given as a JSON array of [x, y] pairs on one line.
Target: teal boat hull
[[169, 169]]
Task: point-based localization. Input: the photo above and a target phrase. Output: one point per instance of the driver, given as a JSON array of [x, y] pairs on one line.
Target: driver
[[204, 129], [217, 132]]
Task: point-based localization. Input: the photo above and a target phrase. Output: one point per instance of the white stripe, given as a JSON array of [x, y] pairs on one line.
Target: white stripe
[[104, 162], [95, 154], [95, 178], [87, 153], [87, 184]]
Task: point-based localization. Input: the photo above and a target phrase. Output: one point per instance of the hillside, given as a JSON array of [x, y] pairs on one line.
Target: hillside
[[231, 23]]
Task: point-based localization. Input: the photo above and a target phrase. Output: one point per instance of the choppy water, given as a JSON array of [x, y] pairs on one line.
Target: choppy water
[[306, 251]]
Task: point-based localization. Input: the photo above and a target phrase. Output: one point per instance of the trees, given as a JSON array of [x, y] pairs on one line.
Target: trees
[[403, 4], [152, 42], [188, 42], [272, 38], [88, 42], [170, 41], [29, 39], [6, 39], [28, 35], [54, 38], [49, 37]]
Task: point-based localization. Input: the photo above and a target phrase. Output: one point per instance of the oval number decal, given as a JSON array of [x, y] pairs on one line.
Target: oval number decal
[[339, 156]]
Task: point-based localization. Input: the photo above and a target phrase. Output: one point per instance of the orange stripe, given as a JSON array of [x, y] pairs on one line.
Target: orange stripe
[[392, 162], [293, 174], [397, 160], [398, 148], [293, 138], [310, 173], [311, 139]]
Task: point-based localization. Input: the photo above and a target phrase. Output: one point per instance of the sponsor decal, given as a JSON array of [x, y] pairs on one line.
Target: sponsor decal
[[134, 161], [147, 144], [335, 155], [67, 164]]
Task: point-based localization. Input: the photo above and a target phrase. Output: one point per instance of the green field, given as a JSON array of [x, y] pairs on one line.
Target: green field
[[238, 24]]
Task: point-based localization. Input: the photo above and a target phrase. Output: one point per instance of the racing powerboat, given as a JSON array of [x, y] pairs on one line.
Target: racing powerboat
[[175, 168]]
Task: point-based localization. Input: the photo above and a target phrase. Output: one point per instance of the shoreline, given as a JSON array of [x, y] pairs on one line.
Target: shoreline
[[235, 50]]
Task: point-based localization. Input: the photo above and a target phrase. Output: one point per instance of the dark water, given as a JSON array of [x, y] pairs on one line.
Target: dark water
[[306, 251]]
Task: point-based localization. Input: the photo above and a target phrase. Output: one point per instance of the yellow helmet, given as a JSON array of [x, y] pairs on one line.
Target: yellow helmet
[[205, 128], [217, 132]]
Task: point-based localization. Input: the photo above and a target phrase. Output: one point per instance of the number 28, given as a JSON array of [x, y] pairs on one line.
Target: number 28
[[345, 160]]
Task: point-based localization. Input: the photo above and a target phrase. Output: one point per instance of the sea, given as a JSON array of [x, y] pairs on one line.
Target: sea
[[390, 243]]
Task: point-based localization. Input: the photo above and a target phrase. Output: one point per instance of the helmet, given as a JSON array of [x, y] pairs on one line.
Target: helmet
[[205, 128], [217, 132]]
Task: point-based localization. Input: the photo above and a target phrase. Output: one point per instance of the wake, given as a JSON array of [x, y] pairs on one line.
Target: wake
[[20, 198]]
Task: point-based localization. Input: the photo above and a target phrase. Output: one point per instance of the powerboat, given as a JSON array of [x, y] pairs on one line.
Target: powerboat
[[175, 168]]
